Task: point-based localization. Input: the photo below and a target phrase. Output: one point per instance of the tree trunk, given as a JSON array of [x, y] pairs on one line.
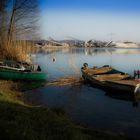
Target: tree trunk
[[12, 22]]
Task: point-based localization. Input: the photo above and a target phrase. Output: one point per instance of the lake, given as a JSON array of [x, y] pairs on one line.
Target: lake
[[86, 105]]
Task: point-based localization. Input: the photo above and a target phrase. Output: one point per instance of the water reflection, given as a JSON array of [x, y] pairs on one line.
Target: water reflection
[[70, 61], [88, 105], [129, 97], [126, 97], [90, 51]]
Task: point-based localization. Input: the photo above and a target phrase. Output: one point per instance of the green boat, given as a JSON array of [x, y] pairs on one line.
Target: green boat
[[13, 70]]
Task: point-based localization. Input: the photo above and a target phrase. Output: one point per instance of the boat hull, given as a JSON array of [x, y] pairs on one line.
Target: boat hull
[[119, 88], [21, 75], [125, 86], [108, 81]]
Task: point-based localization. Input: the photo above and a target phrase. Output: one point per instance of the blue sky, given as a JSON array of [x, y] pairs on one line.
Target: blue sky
[[86, 19], [114, 5]]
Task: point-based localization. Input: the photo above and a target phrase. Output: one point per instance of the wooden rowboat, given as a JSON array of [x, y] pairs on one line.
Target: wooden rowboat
[[102, 74], [110, 79]]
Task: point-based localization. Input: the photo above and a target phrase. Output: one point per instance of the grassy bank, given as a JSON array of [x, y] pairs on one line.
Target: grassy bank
[[24, 122]]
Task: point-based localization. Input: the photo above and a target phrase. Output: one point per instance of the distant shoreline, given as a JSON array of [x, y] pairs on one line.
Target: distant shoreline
[[81, 44], [117, 45]]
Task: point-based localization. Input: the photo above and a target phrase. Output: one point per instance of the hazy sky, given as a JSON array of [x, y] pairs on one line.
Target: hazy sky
[[91, 19]]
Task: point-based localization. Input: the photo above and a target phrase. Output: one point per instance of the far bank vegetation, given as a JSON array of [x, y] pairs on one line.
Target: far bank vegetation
[[18, 23]]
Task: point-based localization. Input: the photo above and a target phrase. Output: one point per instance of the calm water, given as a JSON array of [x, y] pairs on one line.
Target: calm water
[[87, 105]]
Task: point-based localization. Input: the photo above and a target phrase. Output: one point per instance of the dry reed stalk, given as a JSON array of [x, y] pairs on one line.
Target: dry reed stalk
[[14, 50], [65, 81]]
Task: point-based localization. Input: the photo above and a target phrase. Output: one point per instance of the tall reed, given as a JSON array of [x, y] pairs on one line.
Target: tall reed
[[15, 50]]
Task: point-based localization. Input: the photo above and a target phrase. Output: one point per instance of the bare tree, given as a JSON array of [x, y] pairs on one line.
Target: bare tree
[[18, 21], [3, 22], [23, 18], [18, 18]]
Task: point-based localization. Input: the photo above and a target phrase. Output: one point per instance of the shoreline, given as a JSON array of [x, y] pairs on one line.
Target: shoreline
[[21, 119], [50, 48], [92, 45]]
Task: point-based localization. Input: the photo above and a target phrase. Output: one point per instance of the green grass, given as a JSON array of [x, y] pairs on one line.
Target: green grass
[[25, 122]]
